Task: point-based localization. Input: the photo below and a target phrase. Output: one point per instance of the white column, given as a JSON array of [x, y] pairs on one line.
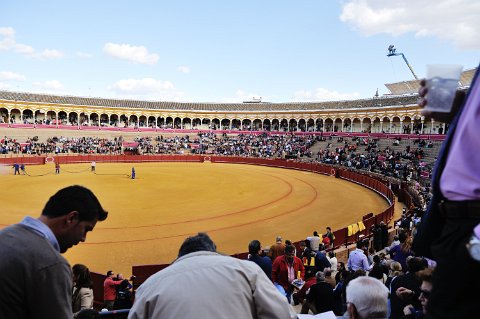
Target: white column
[[421, 131]]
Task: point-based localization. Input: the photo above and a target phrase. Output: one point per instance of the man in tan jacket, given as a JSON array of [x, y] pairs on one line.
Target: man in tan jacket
[[204, 284]]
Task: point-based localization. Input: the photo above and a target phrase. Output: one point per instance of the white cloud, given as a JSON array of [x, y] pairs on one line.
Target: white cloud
[[455, 21], [7, 32], [51, 85], [9, 43], [240, 96], [147, 88], [48, 54], [321, 95], [10, 76], [84, 55], [23, 49], [135, 54], [184, 69]]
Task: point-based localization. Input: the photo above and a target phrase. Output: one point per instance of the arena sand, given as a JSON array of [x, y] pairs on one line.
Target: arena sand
[[150, 216]]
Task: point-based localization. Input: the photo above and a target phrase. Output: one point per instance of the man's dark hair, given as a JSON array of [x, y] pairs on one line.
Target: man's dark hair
[[254, 247], [415, 264], [289, 249], [200, 242], [360, 244], [75, 198], [402, 237], [110, 272], [329, 229], [315, 233]]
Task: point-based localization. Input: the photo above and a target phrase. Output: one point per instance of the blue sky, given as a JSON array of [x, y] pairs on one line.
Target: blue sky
[[229, 51]]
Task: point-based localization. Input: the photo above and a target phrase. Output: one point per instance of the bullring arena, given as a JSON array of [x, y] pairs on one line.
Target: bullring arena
[[151, 215], [246, 171]]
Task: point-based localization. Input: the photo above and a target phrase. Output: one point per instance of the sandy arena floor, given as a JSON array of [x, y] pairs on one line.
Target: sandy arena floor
[[150, 216]]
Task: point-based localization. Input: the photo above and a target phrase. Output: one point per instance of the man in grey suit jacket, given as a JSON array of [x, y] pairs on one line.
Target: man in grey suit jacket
[[36, 281]]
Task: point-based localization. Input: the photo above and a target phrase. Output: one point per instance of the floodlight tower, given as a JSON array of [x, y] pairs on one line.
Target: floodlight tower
[[393, 52]]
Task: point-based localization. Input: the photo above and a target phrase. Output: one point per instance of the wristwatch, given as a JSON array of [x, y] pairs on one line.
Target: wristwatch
[[473, 247]]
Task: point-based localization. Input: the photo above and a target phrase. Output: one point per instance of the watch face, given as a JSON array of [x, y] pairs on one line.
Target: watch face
[[474, 248]]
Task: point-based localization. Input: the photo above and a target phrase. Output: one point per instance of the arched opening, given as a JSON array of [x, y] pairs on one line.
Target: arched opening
[[347, 125], [94, 119], [396, 127], [84, 119], [104, 120], [142, 121], [302, 125], [356, 125], [28, 117], [310, 125], [215, 124], [385, 125], [73, 118], [267, 125], [177, 123], [62, 118], [376, 127], [328, 127], [407, 125], [283, 125], [275, 125], [152, 121], [3, 115], [115, 120], [257, 125], [225, 124], [206, 124], [236, 124], [196, 122], [40, 117], [187, 123], [15, 116], [426, 128], [292, 125], [337, 126], [319, 125], [51, 118], [123, 121], [169, 122], [161, 122], [133, 121], [246, 125], [367, 125]]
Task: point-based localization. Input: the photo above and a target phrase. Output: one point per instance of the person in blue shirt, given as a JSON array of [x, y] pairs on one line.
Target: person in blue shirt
[[255, 251]]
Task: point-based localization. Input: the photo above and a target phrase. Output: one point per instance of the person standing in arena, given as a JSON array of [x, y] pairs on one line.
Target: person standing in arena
[[93, 165], [57, 167], [446, 232], [36, 281]]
